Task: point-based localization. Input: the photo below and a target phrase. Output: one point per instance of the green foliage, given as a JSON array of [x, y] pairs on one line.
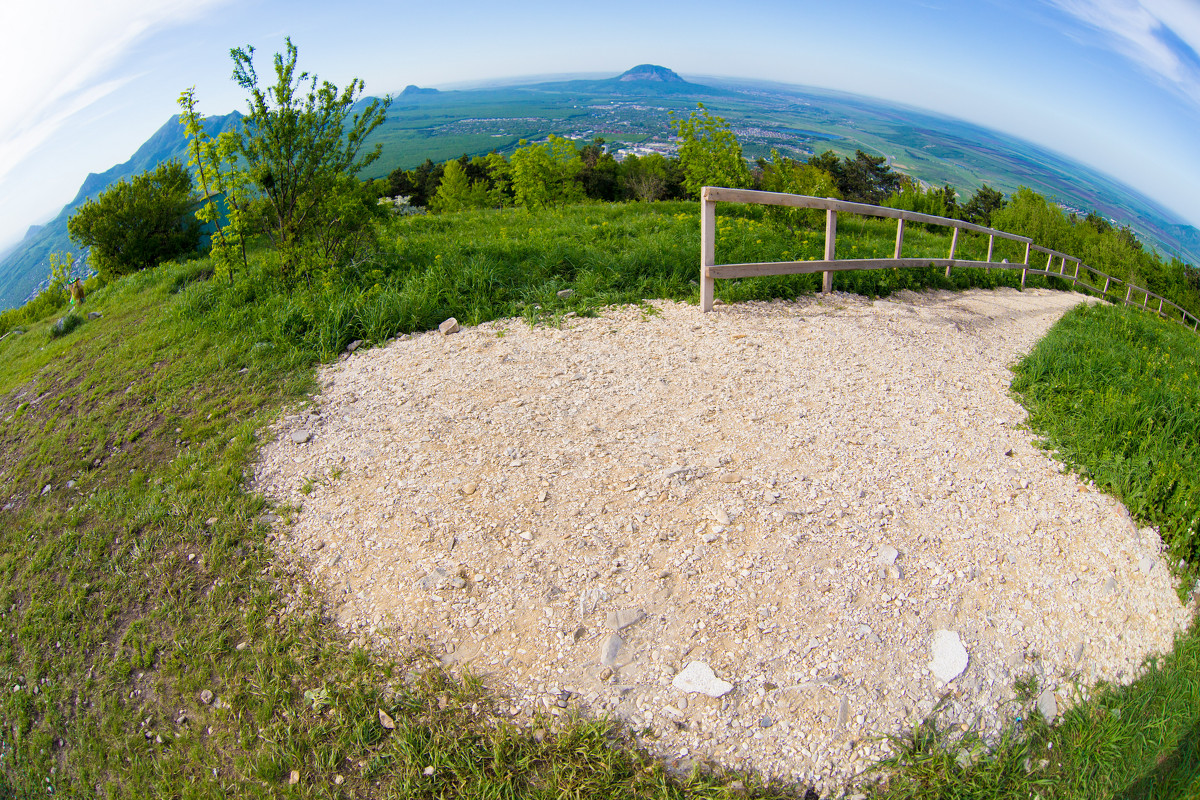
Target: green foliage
[[709, 152], [983, 204], [862, 179], [1116, 251], [62, 266], [138, 223], [282, 172], [544, 174], [457, 192], [1115, 391], [786, 175]]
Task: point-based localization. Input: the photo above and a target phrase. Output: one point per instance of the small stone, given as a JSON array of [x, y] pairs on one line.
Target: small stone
[[1047, 705], [699, 677], [46, 489], [318, 545], [208, 523], [338, 780], [766, 722], [294, 778], [241, 648], [470, 622], [1110, 585], [70, 484], [623, 618], [448, 327], [609, 649], [964, 758], [527, 536], [565, 293], [731, 477], [206, 696], [94, 315], [350, 348], [301, 436], [865, 632], [1146, 565], [843, 712], [949, 656], [429, 771], [386, 720], [722, 517], [469, 488], [887, 555], [606, 673], [458, 583]]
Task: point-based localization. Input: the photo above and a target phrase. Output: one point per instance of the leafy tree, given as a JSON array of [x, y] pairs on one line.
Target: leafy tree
[[709, 152], [279, 170], [499, 173], [137, 223], [600, 173], [983, 204], [544, 174], [651, 177], [867, 178]]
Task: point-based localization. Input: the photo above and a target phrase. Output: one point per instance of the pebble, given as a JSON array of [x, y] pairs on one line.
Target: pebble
[[949, 656], [623, 618], [448, 327], [699, 677], [610, 647], [206, 696], [1047, 705], [301, 436]]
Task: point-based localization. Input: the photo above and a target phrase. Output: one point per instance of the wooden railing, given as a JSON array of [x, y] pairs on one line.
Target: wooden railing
[[1081, 275]]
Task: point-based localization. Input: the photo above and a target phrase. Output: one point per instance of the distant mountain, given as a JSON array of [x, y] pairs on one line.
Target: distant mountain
[[24, 266], [650, 72], [631, 111], [411, 91]]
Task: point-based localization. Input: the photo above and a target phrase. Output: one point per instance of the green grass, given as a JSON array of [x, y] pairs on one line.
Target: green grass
[[142, 576]]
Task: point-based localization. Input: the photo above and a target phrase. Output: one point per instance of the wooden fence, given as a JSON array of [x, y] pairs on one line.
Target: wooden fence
[[1069, 268]]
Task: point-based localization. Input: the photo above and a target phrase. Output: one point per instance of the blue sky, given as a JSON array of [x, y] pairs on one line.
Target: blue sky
[[1112, 83]]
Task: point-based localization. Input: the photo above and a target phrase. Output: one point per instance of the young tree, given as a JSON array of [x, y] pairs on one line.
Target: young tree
[[281, 167], [458, 192], [709, 152], [137, 223]]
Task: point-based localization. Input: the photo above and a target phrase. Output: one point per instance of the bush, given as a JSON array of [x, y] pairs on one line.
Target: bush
[[138, 223]]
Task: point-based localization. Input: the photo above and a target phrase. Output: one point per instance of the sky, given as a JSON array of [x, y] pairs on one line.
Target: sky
[[1112, 83]]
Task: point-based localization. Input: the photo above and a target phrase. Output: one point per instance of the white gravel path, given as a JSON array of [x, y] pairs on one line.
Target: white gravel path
[[800, 496]]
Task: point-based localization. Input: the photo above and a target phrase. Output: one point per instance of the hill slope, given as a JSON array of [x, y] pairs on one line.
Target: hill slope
[[24, 266]]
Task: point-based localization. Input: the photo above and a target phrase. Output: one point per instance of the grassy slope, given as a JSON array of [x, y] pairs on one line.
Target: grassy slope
[[148, 581]]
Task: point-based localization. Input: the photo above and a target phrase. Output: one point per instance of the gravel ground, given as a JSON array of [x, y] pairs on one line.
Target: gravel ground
[[830, 504]]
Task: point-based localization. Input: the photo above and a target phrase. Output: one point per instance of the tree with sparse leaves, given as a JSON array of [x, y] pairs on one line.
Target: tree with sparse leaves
[[282, 173], [709, 152]]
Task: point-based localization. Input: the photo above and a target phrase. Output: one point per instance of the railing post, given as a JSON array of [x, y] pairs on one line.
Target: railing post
[[708, 249], [1076, 271], [899, 236], [1128, 293], [953, 247], [1026, 269], [830, 249], [1106, 280], [991, 244], [1146, 299]]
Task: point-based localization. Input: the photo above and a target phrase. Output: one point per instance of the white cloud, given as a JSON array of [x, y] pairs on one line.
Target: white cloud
[[1160, 36], [67, 54]]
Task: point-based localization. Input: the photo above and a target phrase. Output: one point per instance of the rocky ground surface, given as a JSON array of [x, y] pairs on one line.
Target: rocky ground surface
[[765, 536]]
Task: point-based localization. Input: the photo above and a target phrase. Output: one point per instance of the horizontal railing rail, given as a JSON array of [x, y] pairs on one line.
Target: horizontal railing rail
[[710, 271]]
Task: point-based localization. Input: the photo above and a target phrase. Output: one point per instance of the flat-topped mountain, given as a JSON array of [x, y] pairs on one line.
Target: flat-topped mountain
[[651, 72]]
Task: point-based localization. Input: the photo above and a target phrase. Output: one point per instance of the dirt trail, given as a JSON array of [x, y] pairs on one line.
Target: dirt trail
[[804, 497]]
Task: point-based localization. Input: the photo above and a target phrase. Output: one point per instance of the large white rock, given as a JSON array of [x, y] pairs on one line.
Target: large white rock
[[949, 656], [699, 677]]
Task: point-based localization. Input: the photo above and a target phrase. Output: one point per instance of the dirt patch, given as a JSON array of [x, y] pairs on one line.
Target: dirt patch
[[803, 497]]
